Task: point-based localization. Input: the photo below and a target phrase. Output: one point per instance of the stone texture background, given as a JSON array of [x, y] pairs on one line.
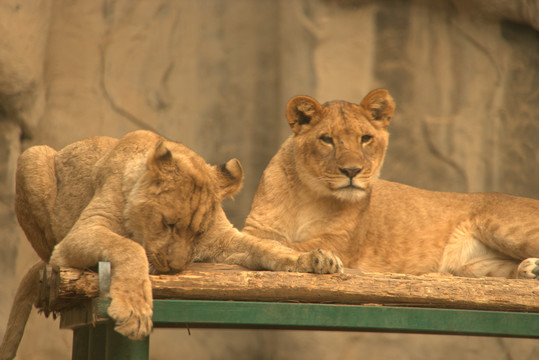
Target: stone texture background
[[216, 75]]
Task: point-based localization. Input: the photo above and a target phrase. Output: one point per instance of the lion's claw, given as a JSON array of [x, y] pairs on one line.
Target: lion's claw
[[131, 310], [320, 262], [528, 269]]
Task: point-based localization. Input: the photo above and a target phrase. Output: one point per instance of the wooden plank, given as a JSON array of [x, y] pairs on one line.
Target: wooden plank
[[224, 282]]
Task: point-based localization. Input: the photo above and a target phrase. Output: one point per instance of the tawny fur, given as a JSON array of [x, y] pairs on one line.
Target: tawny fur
[[321, 189], [143, 203]]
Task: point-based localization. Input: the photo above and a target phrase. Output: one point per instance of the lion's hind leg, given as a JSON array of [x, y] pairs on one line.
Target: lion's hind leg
[[34, 197], [466, 255], [511, 227]]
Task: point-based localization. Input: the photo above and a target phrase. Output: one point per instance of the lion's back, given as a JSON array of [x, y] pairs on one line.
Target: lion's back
[[74, 166]]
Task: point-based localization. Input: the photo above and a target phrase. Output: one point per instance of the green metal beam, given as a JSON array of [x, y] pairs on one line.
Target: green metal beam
[[174, 313], [236, 314], [101, 342]]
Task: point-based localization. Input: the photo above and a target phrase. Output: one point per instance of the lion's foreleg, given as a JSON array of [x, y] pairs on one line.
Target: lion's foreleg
[[273, 255], [227, 244], [25, 298], [131, 292]]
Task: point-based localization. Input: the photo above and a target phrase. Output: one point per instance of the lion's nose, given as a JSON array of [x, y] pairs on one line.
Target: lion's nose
[[350, 171]]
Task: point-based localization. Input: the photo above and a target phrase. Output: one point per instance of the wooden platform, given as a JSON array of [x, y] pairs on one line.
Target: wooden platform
[[223, 296]]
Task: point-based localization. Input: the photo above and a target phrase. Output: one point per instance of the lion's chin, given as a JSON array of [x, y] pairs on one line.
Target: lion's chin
[[350, 193]]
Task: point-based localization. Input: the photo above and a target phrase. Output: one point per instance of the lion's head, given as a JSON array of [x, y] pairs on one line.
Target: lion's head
[[174, 202], [339, 146]]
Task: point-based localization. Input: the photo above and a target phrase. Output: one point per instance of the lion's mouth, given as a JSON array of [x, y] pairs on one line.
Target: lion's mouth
[[351, 186], [158, 265]]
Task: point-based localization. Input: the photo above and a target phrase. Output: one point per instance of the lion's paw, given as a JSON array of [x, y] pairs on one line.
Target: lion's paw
[[320, 262], [528, 269], [131, 308]]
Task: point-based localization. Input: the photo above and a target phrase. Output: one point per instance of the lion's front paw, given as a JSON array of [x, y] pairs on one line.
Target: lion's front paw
[[528, 269], [131, 308], [319, 262]]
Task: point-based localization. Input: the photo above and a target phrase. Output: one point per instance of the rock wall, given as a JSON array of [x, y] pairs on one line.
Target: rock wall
[[216, 76]]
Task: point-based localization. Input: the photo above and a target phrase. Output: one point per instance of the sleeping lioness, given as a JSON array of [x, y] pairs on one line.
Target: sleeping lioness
[[322, 189], [147, 205]]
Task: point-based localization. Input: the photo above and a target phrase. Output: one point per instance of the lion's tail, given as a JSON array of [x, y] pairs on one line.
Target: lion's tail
[[25, 297]]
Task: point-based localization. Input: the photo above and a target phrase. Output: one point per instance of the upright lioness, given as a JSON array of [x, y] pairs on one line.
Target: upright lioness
[[322, 189], [143, 203]]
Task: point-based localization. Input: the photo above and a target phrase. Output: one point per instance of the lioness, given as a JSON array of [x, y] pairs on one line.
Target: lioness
[[147, 205], [322, 189]]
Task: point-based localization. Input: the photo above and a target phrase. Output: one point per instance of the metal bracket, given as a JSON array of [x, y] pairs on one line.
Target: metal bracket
[[104, 279]]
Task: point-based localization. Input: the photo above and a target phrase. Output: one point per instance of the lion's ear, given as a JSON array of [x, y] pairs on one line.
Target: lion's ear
[[381, 106], [301, 111], [230, 177], [160, 159]]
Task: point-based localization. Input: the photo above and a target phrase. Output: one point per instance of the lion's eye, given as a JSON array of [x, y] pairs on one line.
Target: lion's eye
[[365, 139], [327, 139]]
